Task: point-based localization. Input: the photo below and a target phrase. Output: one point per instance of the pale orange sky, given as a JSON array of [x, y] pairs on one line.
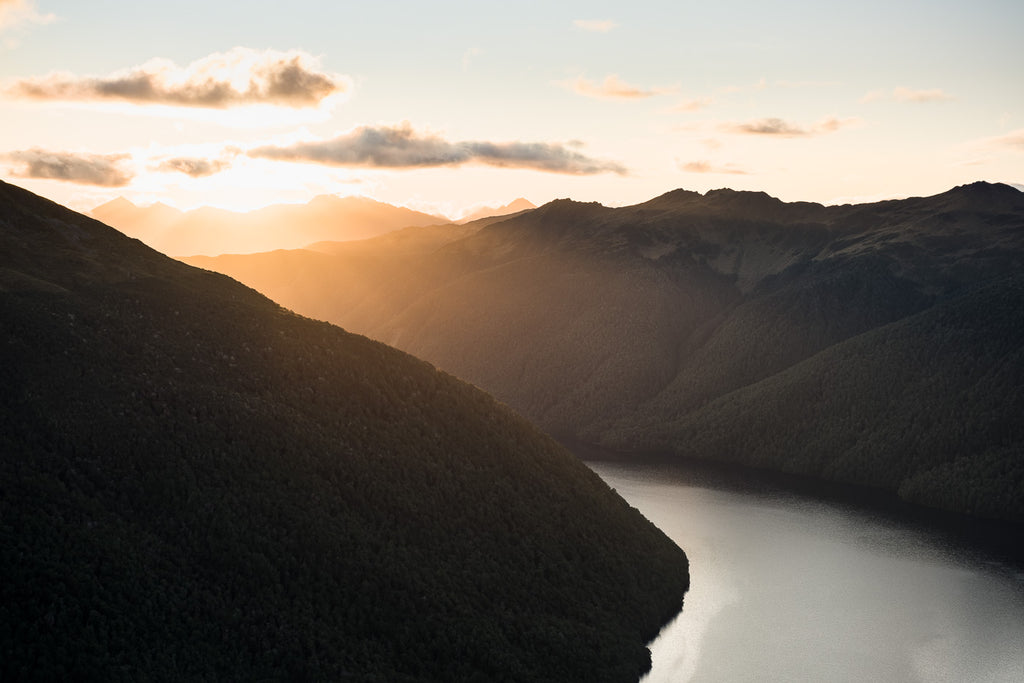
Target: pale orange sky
[[449, 105]]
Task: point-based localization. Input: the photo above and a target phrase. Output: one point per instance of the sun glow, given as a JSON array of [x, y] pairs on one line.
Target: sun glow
[[248, 184], [653, 104]]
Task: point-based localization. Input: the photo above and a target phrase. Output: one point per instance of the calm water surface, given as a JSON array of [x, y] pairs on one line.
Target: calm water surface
[[788, 588]]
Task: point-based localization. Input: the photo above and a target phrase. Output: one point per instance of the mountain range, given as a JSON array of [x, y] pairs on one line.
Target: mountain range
[[326, 218], [197, 484], [213, 231], [876, 344]]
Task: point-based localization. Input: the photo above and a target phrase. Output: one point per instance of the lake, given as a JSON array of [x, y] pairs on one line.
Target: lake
[[786, 587]]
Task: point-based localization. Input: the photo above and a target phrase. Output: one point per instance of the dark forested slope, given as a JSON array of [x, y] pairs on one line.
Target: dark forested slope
[[198, 484], [929, 406], [651, 326]]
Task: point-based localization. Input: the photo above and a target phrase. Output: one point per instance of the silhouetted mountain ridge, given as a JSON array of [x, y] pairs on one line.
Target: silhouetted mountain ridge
[[619, 326]]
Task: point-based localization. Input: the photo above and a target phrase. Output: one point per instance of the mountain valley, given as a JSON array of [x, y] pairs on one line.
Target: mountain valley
[[875, 344]]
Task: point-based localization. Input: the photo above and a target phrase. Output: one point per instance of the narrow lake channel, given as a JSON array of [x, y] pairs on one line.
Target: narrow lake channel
[[786, 587]]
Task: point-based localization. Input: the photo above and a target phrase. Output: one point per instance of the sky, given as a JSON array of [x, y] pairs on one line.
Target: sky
[[451, 105]]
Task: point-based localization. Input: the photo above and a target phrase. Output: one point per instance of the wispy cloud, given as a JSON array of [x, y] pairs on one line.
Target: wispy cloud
[[873, 96], [911, 95], [17, 12], [704, 166], [721, 93], [238, 77], [787, 129], [613, 88], [1014, 140], [694, 104], [902, 94], [107, 170], [595, 25], [403, 147], [805, 84]]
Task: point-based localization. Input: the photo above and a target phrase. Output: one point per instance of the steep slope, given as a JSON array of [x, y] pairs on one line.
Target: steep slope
[[198, 484], [281, 226], [617, 326]]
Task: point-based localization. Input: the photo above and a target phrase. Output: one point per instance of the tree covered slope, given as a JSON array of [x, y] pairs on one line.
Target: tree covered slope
[[198, 484]]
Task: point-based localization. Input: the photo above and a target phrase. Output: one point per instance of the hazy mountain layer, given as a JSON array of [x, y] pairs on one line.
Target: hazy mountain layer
[[198, 484], [649, 327], [515, 206], [281, 226]]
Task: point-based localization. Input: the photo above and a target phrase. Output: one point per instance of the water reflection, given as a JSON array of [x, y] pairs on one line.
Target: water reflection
[[788, 588]]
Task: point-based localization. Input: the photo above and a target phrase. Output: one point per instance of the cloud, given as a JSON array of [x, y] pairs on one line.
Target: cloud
[[695, 104], [1014, 140], [902, 94], [594, 25], [805, 84], [402, 147], [613, 88], [771, 126], [238, 77], [87, 169], [782, 128], [193, 166], [708, 167], [873, 96], [909, 95], [17, 12]]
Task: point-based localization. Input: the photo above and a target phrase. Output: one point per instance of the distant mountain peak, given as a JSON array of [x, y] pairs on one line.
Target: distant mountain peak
[[568, 207], [116, 204], [210, 230], [568, 201], [515, 206], [333, 199], [672, 199], [982, 187], [981, 195], [679, 193], [979, 186], [730, 193], [724, 202]]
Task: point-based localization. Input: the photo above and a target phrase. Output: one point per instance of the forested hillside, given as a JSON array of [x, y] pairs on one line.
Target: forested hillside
[[686, 325], [196, 484]]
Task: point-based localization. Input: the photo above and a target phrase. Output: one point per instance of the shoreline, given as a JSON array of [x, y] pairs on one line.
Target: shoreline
[[1002, 540]]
